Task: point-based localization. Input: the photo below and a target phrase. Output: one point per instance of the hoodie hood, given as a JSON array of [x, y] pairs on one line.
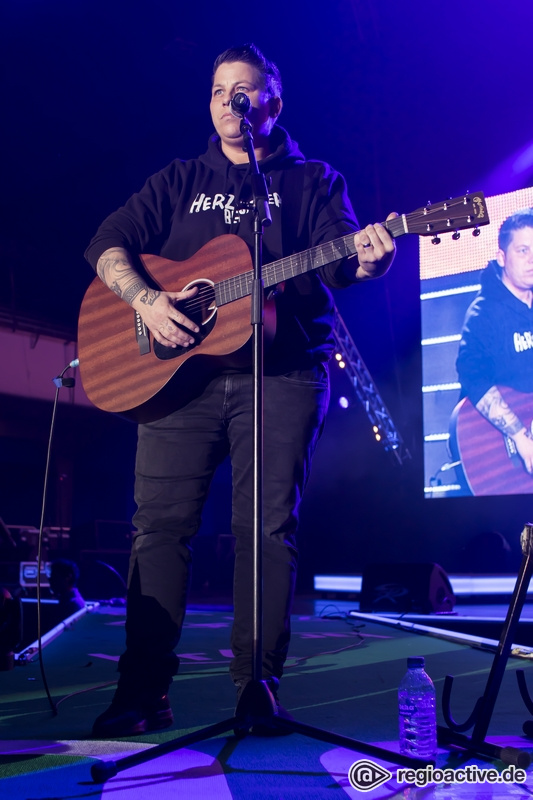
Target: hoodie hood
[[285, 152], [491, 279], [493, 287]]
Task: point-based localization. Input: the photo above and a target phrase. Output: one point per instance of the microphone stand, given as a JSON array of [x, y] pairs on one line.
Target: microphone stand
[[256, 703], [256, 694]]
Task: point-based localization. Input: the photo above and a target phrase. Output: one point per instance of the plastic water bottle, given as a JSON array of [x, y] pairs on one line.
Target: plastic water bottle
[[417, 711]]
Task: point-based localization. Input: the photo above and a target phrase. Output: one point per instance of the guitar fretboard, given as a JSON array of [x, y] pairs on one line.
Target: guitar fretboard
[[456, 214], [288, 267]]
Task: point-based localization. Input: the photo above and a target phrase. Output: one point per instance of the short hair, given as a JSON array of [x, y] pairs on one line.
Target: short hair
[[517, 221], [250, 54]]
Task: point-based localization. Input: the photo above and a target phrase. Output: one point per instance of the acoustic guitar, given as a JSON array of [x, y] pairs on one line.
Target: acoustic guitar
[[126, 372], [489, 460]]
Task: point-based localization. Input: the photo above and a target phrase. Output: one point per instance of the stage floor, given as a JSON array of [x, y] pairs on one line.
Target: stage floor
[[342, 676]]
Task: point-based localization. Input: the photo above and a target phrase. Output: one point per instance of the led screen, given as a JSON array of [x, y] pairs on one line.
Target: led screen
[[465, 453]]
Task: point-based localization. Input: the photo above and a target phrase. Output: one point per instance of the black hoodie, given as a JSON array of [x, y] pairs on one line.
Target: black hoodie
[[190, 202], [496, 347]]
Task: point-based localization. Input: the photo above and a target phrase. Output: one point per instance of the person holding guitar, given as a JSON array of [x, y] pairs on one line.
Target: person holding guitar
[[179, 211], [495, 358]]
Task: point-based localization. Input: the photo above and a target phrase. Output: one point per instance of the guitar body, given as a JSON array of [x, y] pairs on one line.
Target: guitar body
[[488, 466], [126, 373], [117, 378]]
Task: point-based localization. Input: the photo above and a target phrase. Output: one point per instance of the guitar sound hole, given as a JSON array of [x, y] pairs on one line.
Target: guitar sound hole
[[200, 309]]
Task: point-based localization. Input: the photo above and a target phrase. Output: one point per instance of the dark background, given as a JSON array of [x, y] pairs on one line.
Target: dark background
[[411, 101]]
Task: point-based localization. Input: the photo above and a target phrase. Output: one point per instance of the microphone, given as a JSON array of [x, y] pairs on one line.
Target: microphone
[[240, 105]]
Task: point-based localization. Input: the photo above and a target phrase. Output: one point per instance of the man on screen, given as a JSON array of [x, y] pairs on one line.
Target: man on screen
[[496, 348]]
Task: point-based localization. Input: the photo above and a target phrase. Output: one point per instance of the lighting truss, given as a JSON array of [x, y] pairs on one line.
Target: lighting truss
[[349, 359]]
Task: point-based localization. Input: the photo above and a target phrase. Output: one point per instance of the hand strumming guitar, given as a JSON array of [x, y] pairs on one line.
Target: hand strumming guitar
[[157, 309], [524, 446]]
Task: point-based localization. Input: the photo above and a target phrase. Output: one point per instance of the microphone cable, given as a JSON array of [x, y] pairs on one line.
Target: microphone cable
[[59, 382]]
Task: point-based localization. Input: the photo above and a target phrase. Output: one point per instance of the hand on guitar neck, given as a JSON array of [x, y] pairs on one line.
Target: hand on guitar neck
[[157, 309], [375, 250]]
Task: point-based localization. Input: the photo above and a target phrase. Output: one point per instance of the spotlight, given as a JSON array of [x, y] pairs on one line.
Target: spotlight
[[344, 402]]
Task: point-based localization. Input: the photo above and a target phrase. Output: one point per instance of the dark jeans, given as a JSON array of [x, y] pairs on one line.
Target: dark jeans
[[176, 460]]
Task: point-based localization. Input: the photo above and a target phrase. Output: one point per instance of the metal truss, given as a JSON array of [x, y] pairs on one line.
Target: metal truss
[[349, 359]]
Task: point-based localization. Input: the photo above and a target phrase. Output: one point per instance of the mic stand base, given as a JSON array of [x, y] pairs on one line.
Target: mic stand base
[[256, 706]]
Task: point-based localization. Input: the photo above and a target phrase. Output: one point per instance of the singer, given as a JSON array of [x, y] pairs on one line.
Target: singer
[[177, 211]]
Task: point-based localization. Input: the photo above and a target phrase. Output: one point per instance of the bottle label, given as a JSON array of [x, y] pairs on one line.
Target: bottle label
[[405, 708]]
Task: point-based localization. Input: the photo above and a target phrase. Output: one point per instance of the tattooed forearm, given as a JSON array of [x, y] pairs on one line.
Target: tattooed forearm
[[509, 427], [150, 296], [133, 290], [112, 265], [495, 409], [115, 269]]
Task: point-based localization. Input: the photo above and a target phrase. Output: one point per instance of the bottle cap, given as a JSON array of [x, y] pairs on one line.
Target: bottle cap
[[414, 662]]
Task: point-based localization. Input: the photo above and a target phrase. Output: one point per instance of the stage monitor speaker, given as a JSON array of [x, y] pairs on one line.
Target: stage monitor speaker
[[418, 588]]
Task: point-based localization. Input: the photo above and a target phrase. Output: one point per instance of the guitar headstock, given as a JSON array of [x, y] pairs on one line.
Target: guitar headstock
[[449, 216]]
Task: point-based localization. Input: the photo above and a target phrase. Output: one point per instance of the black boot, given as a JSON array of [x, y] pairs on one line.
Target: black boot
[[132, 713], [141, 702]]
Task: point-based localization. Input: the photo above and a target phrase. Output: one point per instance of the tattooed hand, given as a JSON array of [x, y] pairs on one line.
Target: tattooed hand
[[161, 316], [524, 445], [157, 309]]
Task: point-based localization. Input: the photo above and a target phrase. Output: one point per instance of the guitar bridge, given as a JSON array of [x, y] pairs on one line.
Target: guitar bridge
[[141, 334], [512, 452]]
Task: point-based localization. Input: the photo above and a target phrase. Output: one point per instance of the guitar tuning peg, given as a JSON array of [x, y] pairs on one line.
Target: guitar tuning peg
[[435, 240], [456, 236], [476, 231]]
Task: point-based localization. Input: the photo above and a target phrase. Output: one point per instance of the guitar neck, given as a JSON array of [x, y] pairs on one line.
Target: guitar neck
[[299, 263], [454, 214]]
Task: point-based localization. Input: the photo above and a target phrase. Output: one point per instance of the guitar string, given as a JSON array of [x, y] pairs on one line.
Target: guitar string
[[239, 286], [294, 263]]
